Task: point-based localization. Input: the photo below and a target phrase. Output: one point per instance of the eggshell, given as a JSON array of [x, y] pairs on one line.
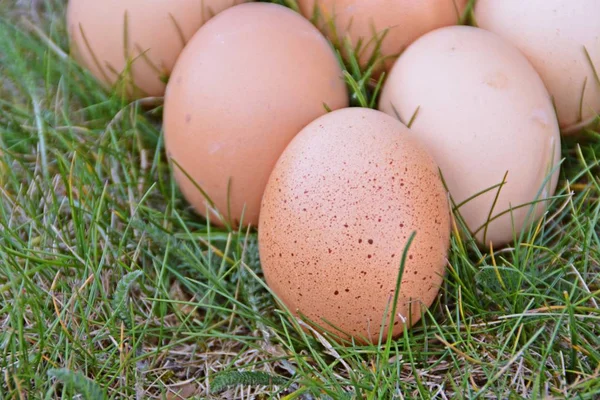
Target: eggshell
[[245, 85], [366, 21], [554, 35], [483, 111], [136, 41], [340, 206]]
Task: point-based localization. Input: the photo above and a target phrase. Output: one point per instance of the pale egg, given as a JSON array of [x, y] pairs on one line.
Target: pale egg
[[562, 41], [481, 109], [135, 43], [365, 22]]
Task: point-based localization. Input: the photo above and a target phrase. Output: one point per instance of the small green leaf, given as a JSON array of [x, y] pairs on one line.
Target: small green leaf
[[120, 298], [82, 385], [248, 378], [496, 280]]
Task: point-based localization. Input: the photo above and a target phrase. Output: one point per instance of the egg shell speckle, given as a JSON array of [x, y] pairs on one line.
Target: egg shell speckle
[[404, 20], [554, 35], [151, 33], [245, 85], [483, 111], [340, 206]]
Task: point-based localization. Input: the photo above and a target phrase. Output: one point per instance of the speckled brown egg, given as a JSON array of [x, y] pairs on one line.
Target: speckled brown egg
[[136, 42], [245, 85], [562, 41], [483, 112], [339, 208], [366, 21]]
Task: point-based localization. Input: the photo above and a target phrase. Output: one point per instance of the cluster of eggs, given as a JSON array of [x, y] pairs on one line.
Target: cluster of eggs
[[258, 127]]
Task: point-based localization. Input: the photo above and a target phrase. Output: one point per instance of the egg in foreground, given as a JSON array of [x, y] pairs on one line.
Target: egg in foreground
[[562, 41], [483, 112], [245, 85], [337, 213], [366, 21], [135, 42]]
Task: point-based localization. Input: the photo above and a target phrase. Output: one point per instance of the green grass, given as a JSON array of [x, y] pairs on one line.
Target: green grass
[[111, 287]]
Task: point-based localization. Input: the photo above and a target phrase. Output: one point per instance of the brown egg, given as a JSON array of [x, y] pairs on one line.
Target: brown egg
[[136, 42], [482, 111], [339, 209], [366, 21], [554, 35], [245, 85]]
